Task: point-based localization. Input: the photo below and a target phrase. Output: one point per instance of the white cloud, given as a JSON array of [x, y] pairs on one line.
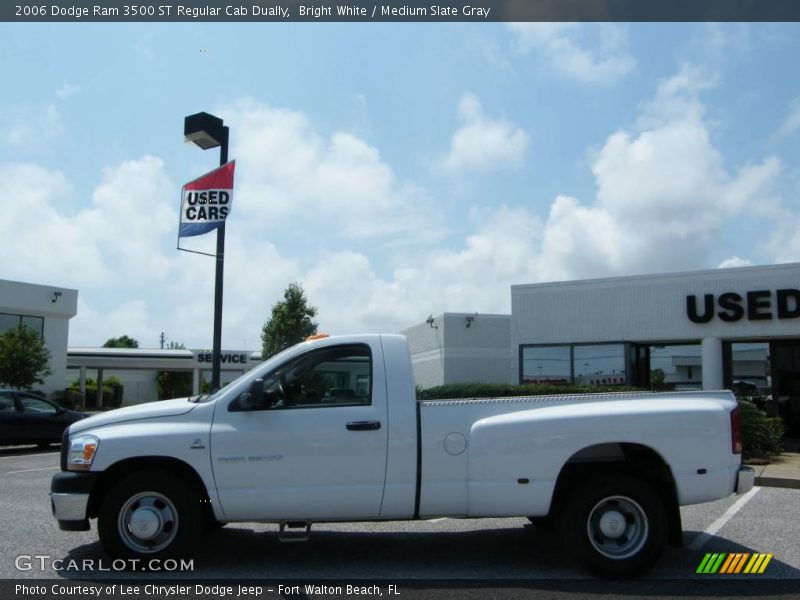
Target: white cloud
[[353, 297], [134, 209], [289, 173], [48, 246], [663, 195], [735, 261], [67, 90], [31, 127], [677, 98], [484, 143], [92, 327], [558, 43], [792, 122], [784, 242], [113, 248]]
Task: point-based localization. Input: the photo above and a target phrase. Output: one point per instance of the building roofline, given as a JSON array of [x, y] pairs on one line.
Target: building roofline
[[733, 271], [479, 315], [39, 285]]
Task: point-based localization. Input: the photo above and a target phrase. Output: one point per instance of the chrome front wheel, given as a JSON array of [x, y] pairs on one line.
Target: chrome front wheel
[[150, 514], [148, 522]]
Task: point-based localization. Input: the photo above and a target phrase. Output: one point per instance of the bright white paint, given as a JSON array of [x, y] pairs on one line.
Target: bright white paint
[[304, 464]]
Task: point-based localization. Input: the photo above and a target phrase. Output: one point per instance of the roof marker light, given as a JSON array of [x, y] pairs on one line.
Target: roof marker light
[[317, 336]]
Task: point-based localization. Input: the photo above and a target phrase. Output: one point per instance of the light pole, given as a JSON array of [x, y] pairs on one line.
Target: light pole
[[208, 131]]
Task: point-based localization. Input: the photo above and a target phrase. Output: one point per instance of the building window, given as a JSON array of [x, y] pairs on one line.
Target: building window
[[546, 365], [12, 321], [750, 370], [585, 364], [676, 367], [599, 364]]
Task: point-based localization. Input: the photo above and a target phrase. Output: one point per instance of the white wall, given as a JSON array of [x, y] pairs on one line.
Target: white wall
[[37, 300], [650, 308], [451, 352], [479, 353], [426, 345]]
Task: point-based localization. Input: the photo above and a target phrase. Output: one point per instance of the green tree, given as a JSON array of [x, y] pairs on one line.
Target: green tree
[[290, 323], [122, 341], [174, 384], [657, 378], [24, 359]]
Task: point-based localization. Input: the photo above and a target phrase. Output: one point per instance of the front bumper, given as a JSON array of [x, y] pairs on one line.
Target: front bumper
[[69, 499], [745, 480]]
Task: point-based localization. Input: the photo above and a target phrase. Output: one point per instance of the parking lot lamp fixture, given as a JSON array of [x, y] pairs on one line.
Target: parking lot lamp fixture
[[208, 131]]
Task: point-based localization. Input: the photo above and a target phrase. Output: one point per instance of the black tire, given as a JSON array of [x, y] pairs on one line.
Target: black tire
[[214, 525], [615, 525], [164, 507], [546, 523]]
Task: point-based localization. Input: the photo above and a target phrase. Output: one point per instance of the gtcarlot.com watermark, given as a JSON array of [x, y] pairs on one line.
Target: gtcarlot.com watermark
[[44, 562]]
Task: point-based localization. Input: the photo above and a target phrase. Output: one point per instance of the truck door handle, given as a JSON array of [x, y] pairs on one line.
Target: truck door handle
[[363, 425]]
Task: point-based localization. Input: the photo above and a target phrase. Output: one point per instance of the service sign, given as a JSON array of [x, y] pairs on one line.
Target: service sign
[[206, 201]]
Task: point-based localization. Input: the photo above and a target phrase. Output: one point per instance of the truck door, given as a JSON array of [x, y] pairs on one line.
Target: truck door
[[315, 448]]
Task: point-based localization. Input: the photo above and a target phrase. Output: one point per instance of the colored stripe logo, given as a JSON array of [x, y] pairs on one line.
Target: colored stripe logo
[[733, 563]]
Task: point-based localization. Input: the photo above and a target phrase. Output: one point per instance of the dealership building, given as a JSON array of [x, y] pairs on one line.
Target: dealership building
[[459, 347], [137, 368], [712, 329], [703, 329], [696, 330], [47, 310]]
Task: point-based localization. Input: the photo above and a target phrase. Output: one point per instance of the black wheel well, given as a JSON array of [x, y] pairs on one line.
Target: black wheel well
[[635, 460], [164, 464]]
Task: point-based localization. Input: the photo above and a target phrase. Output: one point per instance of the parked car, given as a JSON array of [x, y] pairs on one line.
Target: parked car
[[26, 418]]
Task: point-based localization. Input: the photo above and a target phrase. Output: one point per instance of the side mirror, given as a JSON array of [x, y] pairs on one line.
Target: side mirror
[[253, 398]]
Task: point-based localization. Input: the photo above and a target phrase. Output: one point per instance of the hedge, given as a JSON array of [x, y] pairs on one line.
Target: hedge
[[761, 435]]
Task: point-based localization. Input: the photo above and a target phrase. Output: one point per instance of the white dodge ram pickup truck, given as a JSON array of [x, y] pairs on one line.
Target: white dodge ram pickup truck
[[330, 430]]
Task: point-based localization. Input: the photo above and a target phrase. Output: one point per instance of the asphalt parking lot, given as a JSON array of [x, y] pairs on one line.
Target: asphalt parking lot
[[767, 521]]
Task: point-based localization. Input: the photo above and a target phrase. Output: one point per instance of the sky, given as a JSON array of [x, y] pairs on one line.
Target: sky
[[394, 170]]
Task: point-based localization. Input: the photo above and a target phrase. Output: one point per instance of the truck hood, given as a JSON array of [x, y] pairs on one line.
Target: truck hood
[[149, 410]]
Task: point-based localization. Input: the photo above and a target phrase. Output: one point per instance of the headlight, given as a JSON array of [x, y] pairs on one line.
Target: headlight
[[82, 449]]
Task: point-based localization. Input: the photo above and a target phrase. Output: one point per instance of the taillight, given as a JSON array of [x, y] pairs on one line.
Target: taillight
[[736, 431]]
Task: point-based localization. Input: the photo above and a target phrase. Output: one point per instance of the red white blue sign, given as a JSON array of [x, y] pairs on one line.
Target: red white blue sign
[[206, 201]]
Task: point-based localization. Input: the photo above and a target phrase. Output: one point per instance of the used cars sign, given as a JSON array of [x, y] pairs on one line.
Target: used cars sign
[[206, 201]]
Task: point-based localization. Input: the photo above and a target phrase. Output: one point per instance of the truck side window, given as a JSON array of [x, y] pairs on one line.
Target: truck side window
[[327, 377]]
